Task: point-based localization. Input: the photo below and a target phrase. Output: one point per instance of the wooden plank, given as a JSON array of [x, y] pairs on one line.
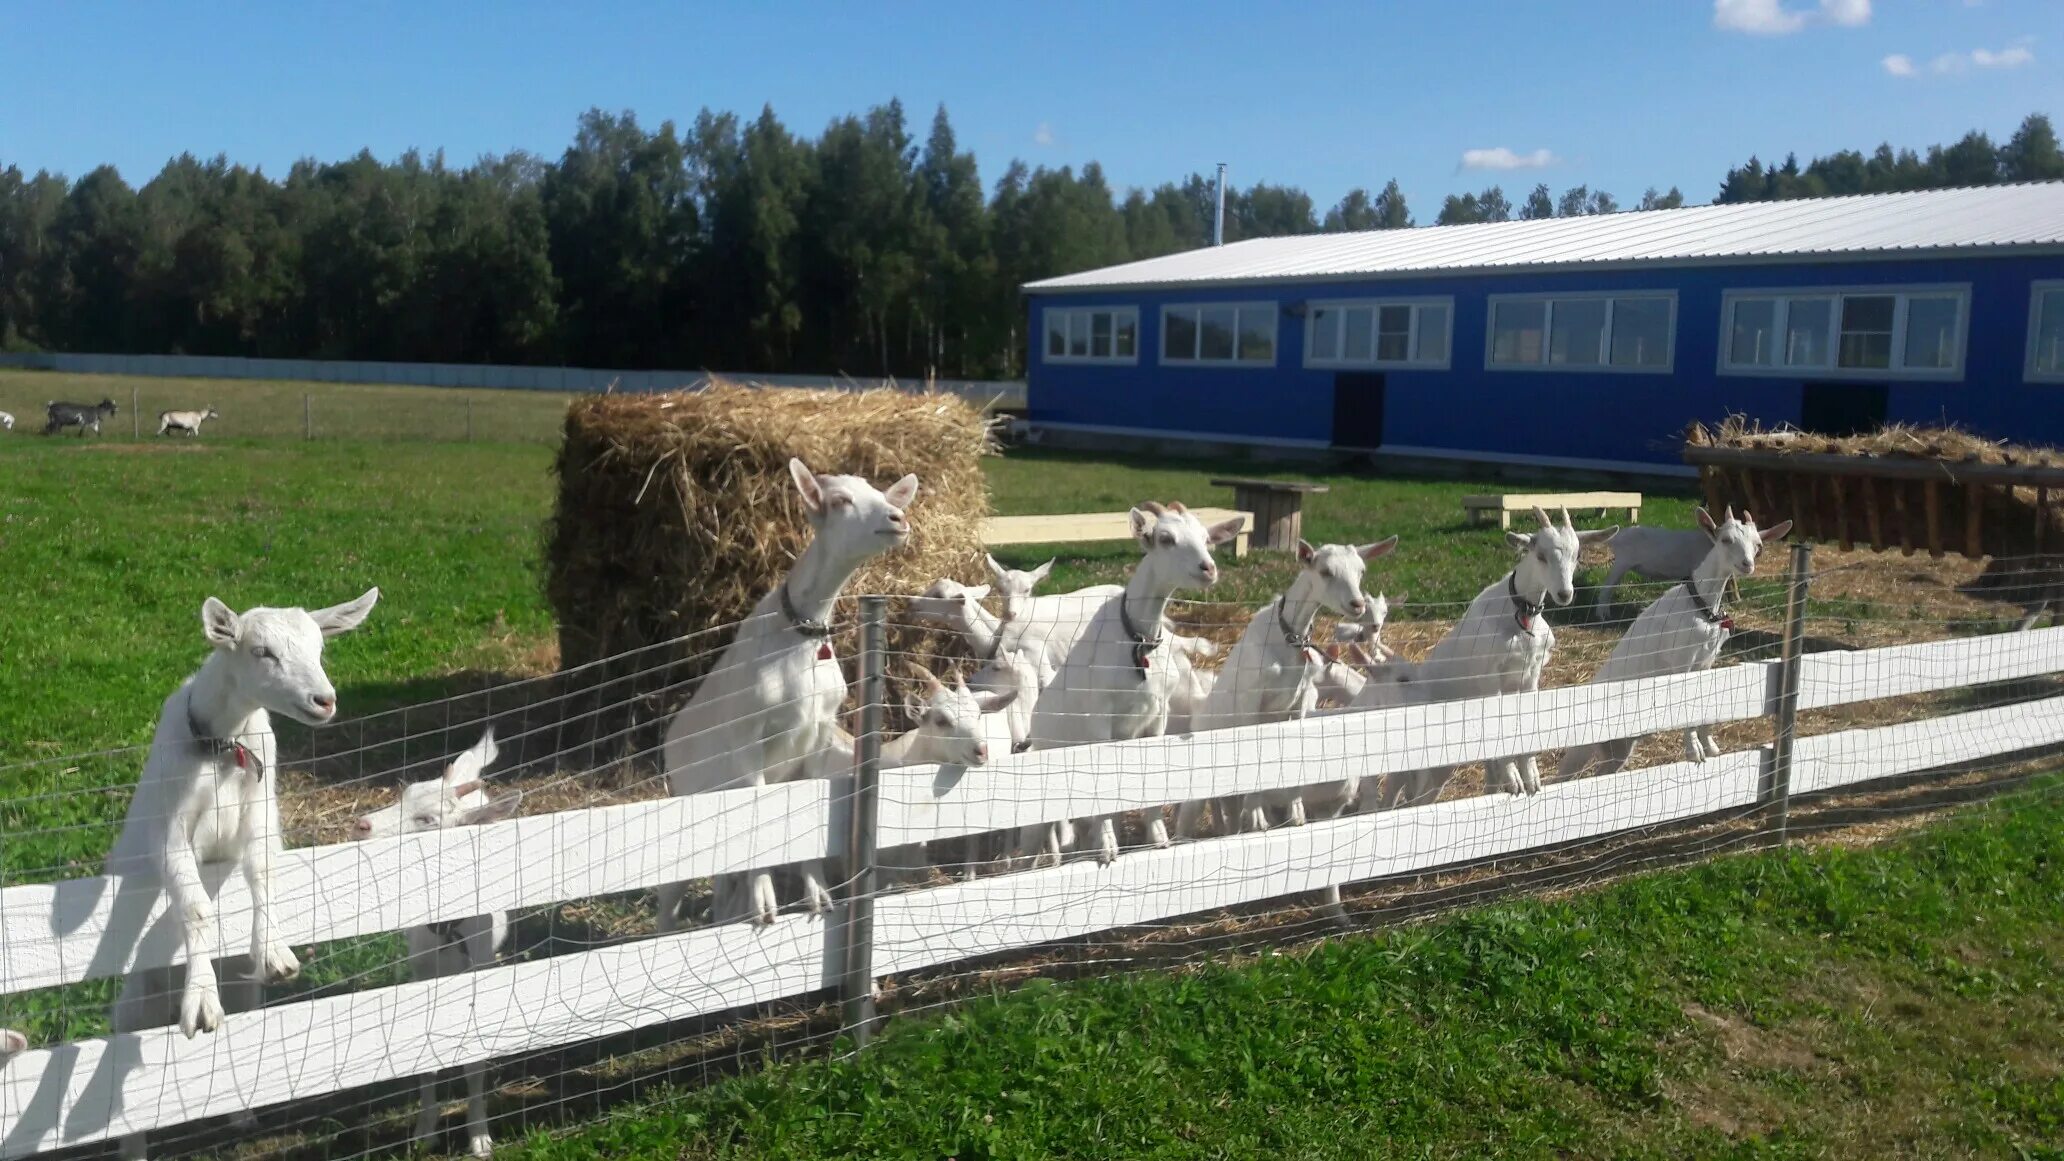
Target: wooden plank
[[1900, 510], [1075, 527], [1841, 678], [1801, 489], [1842, 513], [999, 913], [1876, 467], [1872, 518], [96, 1089], [1550, 501], [1240, 482], [60, 933], [1825, 761], [2042, 519], [920, 804], [1931, 494]]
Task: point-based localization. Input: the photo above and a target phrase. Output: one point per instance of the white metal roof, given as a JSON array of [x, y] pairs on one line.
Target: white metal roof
[[1927, 222]]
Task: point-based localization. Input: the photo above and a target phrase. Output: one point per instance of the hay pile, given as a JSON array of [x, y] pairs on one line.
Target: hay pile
[[676, 514], [1945, 515]]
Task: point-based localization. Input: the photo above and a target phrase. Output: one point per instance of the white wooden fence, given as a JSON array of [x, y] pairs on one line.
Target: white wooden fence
[[67, 932]]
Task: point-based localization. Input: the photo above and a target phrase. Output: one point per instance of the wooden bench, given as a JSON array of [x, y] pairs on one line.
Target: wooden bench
[[1276, 505], [1481, 508], [1069, 528]]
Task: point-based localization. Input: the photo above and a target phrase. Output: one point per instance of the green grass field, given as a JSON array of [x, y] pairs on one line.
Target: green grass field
[[1831, 1003], [1901, 1000]]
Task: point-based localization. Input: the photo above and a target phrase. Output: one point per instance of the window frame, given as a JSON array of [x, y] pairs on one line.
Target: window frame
[[1375, 307], [1901, 294], [2030, 372], [1275, 313], [1605, 365], [1089, 324]]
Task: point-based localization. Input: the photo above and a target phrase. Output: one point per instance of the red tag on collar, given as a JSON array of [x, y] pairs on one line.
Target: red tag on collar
[[1526, 622], [824, 651], [1727, 621]]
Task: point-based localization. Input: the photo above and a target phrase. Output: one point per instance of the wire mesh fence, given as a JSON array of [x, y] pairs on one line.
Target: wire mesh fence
[[579, 911], [173, 411]]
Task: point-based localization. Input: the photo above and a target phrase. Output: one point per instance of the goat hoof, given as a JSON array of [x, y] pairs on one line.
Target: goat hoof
[[276, 964], [200, 1010], [481, 1145]]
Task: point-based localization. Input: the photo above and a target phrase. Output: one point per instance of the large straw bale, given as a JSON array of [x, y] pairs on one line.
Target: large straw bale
[[676, 514]]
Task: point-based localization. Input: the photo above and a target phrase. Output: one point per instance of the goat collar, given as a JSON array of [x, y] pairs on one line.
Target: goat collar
[[451, 934], [1299, 641], [801, 624], [1711, 614], [1142, 646], [1524, 611], [214, 746]]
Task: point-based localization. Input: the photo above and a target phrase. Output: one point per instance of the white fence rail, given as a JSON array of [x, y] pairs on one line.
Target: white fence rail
[[1007, 394], [95, 1089]]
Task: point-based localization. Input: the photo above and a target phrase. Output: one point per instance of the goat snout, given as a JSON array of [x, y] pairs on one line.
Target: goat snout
[[1358, 609], [362, 827], [981, 753], [324, 704], [1209, 572]]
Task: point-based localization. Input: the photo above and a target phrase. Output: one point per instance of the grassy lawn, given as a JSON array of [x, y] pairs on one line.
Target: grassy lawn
[[1897, 1000]]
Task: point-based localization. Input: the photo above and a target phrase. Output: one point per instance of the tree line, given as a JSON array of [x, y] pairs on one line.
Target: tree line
[[728, 243]]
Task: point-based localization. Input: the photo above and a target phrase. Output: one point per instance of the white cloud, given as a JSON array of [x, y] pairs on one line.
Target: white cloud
[[1772, 18], [2012, 57], [1503, 158], [1899, 65], [1044, 135]]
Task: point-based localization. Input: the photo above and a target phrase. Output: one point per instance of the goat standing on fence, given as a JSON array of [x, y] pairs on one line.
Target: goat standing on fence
[[186, 423], [459, 797], [209, 794], [1116, 682], [1500, 646], [1655, 553], [80, 415], [772, 701], [1272, 676], [1682, 632]]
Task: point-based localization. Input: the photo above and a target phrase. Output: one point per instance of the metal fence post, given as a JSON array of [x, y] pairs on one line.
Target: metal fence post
[[469, 419], [307, 417], [1777, 797], [857, 986], [135, 413]]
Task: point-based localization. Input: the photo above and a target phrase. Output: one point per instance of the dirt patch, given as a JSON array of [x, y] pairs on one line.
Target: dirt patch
[[1750, 1046]]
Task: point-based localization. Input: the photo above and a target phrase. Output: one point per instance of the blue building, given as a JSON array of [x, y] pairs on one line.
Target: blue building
[[1577, 342]]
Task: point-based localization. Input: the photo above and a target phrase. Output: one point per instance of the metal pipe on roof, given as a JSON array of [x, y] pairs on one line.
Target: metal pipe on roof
[[1218, 220]]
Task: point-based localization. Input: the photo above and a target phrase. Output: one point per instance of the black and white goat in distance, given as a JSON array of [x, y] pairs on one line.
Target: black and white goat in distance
[[1116, 681], [1683, 631], [1500, 646], [1272, 675], [209, 795], [771, 704], [458, 797]]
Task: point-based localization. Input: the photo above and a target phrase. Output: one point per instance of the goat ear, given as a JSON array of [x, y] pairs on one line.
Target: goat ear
[[1039, 574], [1305, 551], [338, 620], [1706, 522], [1397, 600], [1380, 548], [1520, 540], [977, 592], [499, 806], [902, 492], [1143, 523], [1775, 531], [1598, 535], [806, 485], [485, 751], [470, 786], [1226, 530], [220, 623], [989, 703]]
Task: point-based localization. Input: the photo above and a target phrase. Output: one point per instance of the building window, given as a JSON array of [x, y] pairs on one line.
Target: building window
[[1378, 333], [1582, 332], [1242, 334], [1101, 334], [2046, 333], [1868, 332]]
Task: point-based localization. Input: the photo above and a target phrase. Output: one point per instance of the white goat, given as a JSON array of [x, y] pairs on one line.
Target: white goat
[[773, 698], [457, 798], [185, 422], [1272, 676], [6, 421], [209, 794], [1044, 627], [1655, 553], [1116, 681], [1500, 646], [12, 1043], [1682, 632]]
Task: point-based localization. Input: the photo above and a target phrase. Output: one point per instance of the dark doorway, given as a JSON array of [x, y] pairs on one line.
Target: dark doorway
[[1358, 409], [1842, 408]]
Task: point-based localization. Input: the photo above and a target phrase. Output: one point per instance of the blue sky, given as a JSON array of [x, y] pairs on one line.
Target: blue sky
[[1619, 94]]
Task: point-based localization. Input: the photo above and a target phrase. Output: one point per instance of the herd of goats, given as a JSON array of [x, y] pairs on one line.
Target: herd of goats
[[1097, 665], [85, 417]]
